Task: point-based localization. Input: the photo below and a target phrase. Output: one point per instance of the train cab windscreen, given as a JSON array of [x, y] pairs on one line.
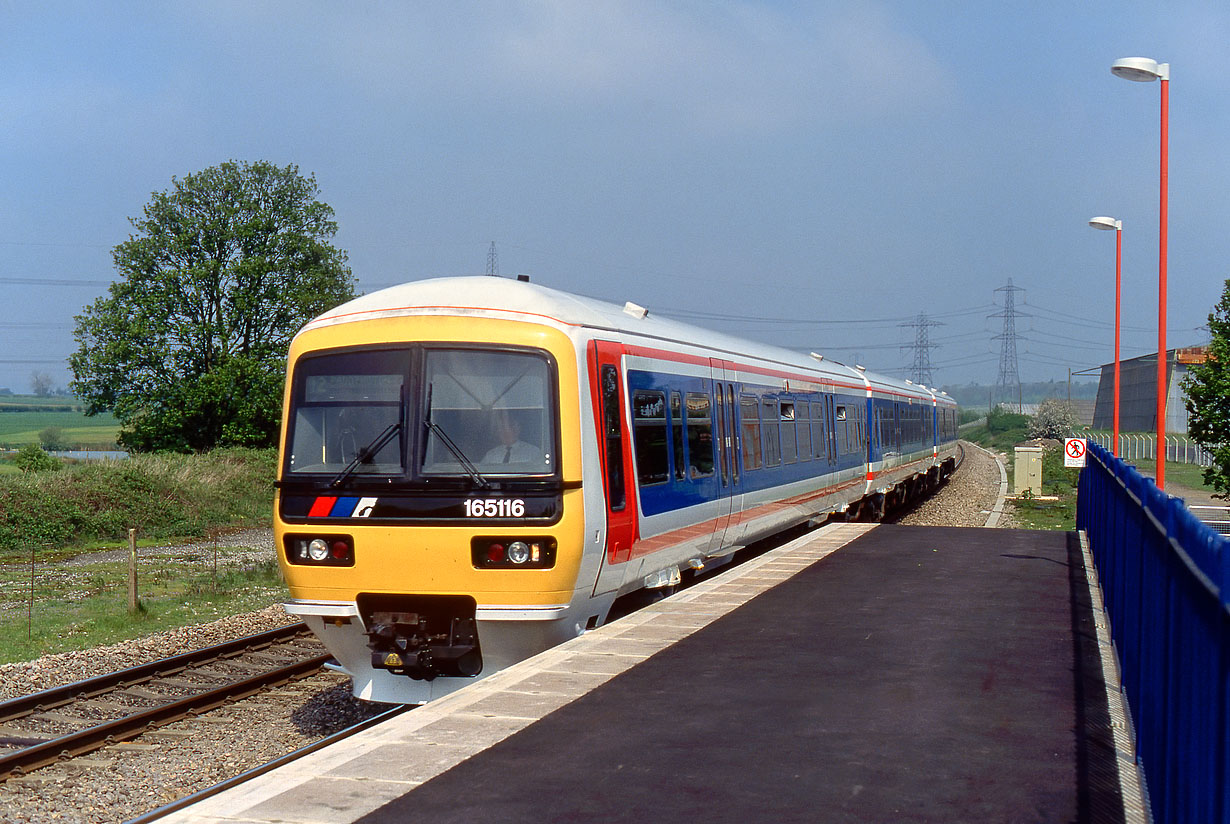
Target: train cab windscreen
[[491, 409], [349, 409], [462, 412]]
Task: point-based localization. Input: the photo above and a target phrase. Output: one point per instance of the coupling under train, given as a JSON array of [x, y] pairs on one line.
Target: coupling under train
[[473, 469]]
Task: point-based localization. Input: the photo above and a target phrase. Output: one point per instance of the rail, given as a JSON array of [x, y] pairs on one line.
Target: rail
[[35, 751], [1165, 580]]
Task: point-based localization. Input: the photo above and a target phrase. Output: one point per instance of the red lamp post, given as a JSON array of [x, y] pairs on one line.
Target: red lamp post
[[1110, 223], [1145, 70]]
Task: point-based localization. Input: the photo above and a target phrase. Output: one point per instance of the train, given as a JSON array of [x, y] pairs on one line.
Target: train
[[473, 469]]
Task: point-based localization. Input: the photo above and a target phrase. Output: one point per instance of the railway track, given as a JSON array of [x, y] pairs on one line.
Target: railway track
[[68, 721]]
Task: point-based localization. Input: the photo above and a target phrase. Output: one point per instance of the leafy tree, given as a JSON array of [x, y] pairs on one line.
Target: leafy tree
[[41, 383], [32, 458], [188, 348], [52, 438], [1207, 386], [1055, 419]]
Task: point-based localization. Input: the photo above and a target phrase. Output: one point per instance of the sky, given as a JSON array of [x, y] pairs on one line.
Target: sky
[[816, 175]]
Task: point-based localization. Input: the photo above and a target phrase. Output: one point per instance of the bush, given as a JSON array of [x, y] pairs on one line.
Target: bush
[[163, 496], [1007, 425], [32, 458], [1055, 419], [52, 439]]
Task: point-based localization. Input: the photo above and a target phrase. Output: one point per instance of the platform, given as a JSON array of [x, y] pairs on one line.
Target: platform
[[918, 674]]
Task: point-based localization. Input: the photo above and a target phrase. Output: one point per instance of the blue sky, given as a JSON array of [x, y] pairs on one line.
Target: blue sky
[[811, 174]]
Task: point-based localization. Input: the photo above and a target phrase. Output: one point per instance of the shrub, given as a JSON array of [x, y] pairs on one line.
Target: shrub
[[32, 458], [162, 495], [1007, 426], [1055, 419], [52, 439]]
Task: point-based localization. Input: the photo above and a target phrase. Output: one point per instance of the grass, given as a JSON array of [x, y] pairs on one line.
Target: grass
[[1004, 431], [1186, 475], [57, 516], [1059, 482], [22, 420], [163, 496], [81, 607]]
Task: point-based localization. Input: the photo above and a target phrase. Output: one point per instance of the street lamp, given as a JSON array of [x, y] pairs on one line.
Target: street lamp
[[1145, 70], [1110, 224]]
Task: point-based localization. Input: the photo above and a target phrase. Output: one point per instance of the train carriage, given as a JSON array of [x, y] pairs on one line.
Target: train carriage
[[473, 469]]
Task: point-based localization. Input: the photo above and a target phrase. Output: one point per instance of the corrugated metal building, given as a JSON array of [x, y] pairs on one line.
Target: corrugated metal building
[[1138, 392]]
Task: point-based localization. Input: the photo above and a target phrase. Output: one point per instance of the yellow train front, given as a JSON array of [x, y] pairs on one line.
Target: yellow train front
[[429, 514]]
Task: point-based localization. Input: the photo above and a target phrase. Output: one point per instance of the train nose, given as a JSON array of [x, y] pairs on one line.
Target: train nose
[[422, 637]]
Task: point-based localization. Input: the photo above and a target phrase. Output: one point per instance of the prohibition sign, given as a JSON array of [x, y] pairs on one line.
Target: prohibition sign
[[1074, 452]]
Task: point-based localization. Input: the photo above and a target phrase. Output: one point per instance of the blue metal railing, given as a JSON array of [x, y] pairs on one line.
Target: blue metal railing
[[1165, 581]]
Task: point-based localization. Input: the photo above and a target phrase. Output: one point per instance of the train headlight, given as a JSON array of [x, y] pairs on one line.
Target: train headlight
[[512, 553], [518, 552], [317, 549]]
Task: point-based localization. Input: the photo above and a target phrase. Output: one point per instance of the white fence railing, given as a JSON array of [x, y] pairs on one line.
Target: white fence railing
[[1138, 447]]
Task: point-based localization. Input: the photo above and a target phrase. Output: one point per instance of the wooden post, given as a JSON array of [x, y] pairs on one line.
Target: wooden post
[[132, 572], [30, 615]]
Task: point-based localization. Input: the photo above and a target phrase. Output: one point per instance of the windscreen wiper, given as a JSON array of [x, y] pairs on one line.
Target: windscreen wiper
[[466, 463], [366, 454]]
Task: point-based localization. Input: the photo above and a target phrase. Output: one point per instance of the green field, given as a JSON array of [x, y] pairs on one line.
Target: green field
[[24, 417], [62, 584]]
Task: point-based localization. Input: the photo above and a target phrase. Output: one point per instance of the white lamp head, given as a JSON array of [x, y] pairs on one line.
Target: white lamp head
[[1107, 223], [1140, 69]]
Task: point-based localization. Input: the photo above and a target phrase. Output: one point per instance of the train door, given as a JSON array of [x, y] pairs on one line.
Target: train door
[[726, 530], [876, 436], [615, 456], [831, 430]]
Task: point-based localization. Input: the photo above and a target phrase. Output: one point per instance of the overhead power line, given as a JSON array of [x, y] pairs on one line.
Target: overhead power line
[[921, 367], [1009, 377], [493, 262], [54, 282]]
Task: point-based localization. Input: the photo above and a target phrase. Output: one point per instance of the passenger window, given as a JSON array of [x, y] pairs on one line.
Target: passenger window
[[700, 435], [650, 438], [819, 446], [790, 444], [772, 435], [749, 411], [842, 430]]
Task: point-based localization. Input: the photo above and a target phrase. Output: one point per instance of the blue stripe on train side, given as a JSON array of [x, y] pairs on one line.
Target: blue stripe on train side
[[680, 485]]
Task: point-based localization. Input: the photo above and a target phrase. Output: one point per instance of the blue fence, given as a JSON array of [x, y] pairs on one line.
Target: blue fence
[[1165, 581]]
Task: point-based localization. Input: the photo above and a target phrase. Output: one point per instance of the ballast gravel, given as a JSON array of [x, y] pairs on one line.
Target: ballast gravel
[[126, 781], [968, 498], [120, 783]]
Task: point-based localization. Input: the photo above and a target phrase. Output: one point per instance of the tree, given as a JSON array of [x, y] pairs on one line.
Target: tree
[[52, 439], [41, 383], [188, 348], [1055, 419], [1207, 387]]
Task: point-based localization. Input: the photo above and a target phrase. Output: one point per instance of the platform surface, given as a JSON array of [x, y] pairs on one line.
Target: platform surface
[[917, 674]]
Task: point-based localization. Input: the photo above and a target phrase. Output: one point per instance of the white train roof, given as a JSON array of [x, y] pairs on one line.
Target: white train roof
[[484, 295]]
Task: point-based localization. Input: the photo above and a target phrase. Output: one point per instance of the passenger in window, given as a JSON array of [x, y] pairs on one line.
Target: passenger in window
[[509, 448]]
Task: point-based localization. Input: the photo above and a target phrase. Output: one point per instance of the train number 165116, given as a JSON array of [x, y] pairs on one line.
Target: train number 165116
[[495, 508]]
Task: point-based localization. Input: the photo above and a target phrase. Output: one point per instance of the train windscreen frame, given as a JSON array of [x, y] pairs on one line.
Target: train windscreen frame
[[460, 411]]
